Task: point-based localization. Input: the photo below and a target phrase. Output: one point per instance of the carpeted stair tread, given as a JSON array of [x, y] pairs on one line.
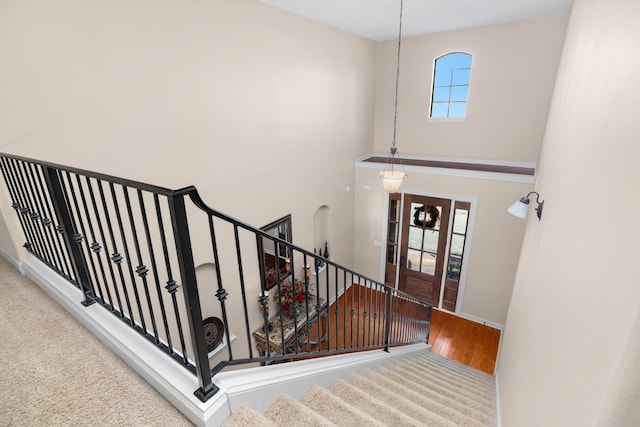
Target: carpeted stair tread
[[422, 390], [447, 365], [335, 409], [444, 396], [445, 386], [246, 416], [431, 373], [479, 401], [285, 411], [401, 403], [462, 412], [463, 378], [386, 414]]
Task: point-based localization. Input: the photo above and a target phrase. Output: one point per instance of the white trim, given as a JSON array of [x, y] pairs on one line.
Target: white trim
[[481, 321], [498, 412], [445, 265], [473, 201], [462, 281], [446, 119], [385, 239], [17, 264], [495, 176]]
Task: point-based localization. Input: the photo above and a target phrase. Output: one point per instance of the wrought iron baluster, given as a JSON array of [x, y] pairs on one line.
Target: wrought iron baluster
[[98, 249], [192, 297], [49, 221], [242, 292], [172, 286], [89, 250], [15, 203], [55, 185], [221, 293], [154, 267], [33, 242], [127, 255], [116, 259], [37, 214]]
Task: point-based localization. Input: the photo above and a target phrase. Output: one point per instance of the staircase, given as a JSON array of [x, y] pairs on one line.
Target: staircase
[[416, 391]]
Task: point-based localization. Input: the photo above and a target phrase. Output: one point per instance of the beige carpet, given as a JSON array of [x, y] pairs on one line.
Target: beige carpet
[[425, 390], [54, 372]]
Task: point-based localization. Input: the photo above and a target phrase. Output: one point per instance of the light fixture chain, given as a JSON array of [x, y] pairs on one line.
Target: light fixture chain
[[395, 111]]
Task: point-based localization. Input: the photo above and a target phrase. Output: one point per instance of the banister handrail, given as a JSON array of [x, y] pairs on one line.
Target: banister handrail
[[193, 193], [66, 216]]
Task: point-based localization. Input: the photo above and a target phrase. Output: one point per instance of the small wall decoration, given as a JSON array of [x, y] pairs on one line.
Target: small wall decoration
[[213, 332], [426, 216]]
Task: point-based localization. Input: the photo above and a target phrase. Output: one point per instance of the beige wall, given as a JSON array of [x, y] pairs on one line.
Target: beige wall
[[262, 110], [512, 76], [576, 297], [495, 242]]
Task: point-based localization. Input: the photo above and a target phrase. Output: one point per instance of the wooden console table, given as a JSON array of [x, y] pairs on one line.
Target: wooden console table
[[293, 343]]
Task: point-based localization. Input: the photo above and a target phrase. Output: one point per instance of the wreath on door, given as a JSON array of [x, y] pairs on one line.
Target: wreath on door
[[426, 216]]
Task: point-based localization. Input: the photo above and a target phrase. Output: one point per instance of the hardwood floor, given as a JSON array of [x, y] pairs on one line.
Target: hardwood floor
[[464, 341], [453, 337]]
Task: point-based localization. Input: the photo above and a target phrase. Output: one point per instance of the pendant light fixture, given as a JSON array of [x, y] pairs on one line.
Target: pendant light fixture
[[392, 177]]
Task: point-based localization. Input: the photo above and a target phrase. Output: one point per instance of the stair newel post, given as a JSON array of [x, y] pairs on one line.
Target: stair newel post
[[72, 238], [387, 326], [191, 295]]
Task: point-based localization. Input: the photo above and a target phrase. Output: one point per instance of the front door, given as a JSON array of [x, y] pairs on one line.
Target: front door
[[422, 251]]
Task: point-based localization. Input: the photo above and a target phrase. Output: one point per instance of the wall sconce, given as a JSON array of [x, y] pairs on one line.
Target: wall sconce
[[521, 207], [306, 271], [287, 265]]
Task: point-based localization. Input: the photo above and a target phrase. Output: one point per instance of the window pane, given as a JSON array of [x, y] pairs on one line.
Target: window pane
[[413, 260], [460, 221], [393, 210], [445, 62], [391, 254], [393, 235], [453, 269], [415, 237], [457, 109], [442, 78], [462, 60], [459, 93], [428, 263], [461, 77], [440, 109], [430, 241], [441, 94], [457, 244]]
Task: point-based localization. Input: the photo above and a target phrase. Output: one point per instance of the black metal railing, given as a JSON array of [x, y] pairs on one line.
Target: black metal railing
[[133, 247]]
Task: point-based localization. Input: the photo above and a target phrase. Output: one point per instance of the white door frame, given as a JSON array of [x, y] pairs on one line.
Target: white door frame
[[473, 202]]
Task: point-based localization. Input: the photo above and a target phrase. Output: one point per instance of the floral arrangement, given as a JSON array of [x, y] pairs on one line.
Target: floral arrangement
[[292, 297]]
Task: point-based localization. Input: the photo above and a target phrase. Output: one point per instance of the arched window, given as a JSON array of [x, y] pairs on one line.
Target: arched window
[[450, 85]]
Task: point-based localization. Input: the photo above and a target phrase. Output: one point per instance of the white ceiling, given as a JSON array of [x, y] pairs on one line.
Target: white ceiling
[[379, 19]]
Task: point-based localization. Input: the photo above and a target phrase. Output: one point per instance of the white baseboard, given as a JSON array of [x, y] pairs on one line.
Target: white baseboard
[[498, 413], [480, 320], [12, 259]]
